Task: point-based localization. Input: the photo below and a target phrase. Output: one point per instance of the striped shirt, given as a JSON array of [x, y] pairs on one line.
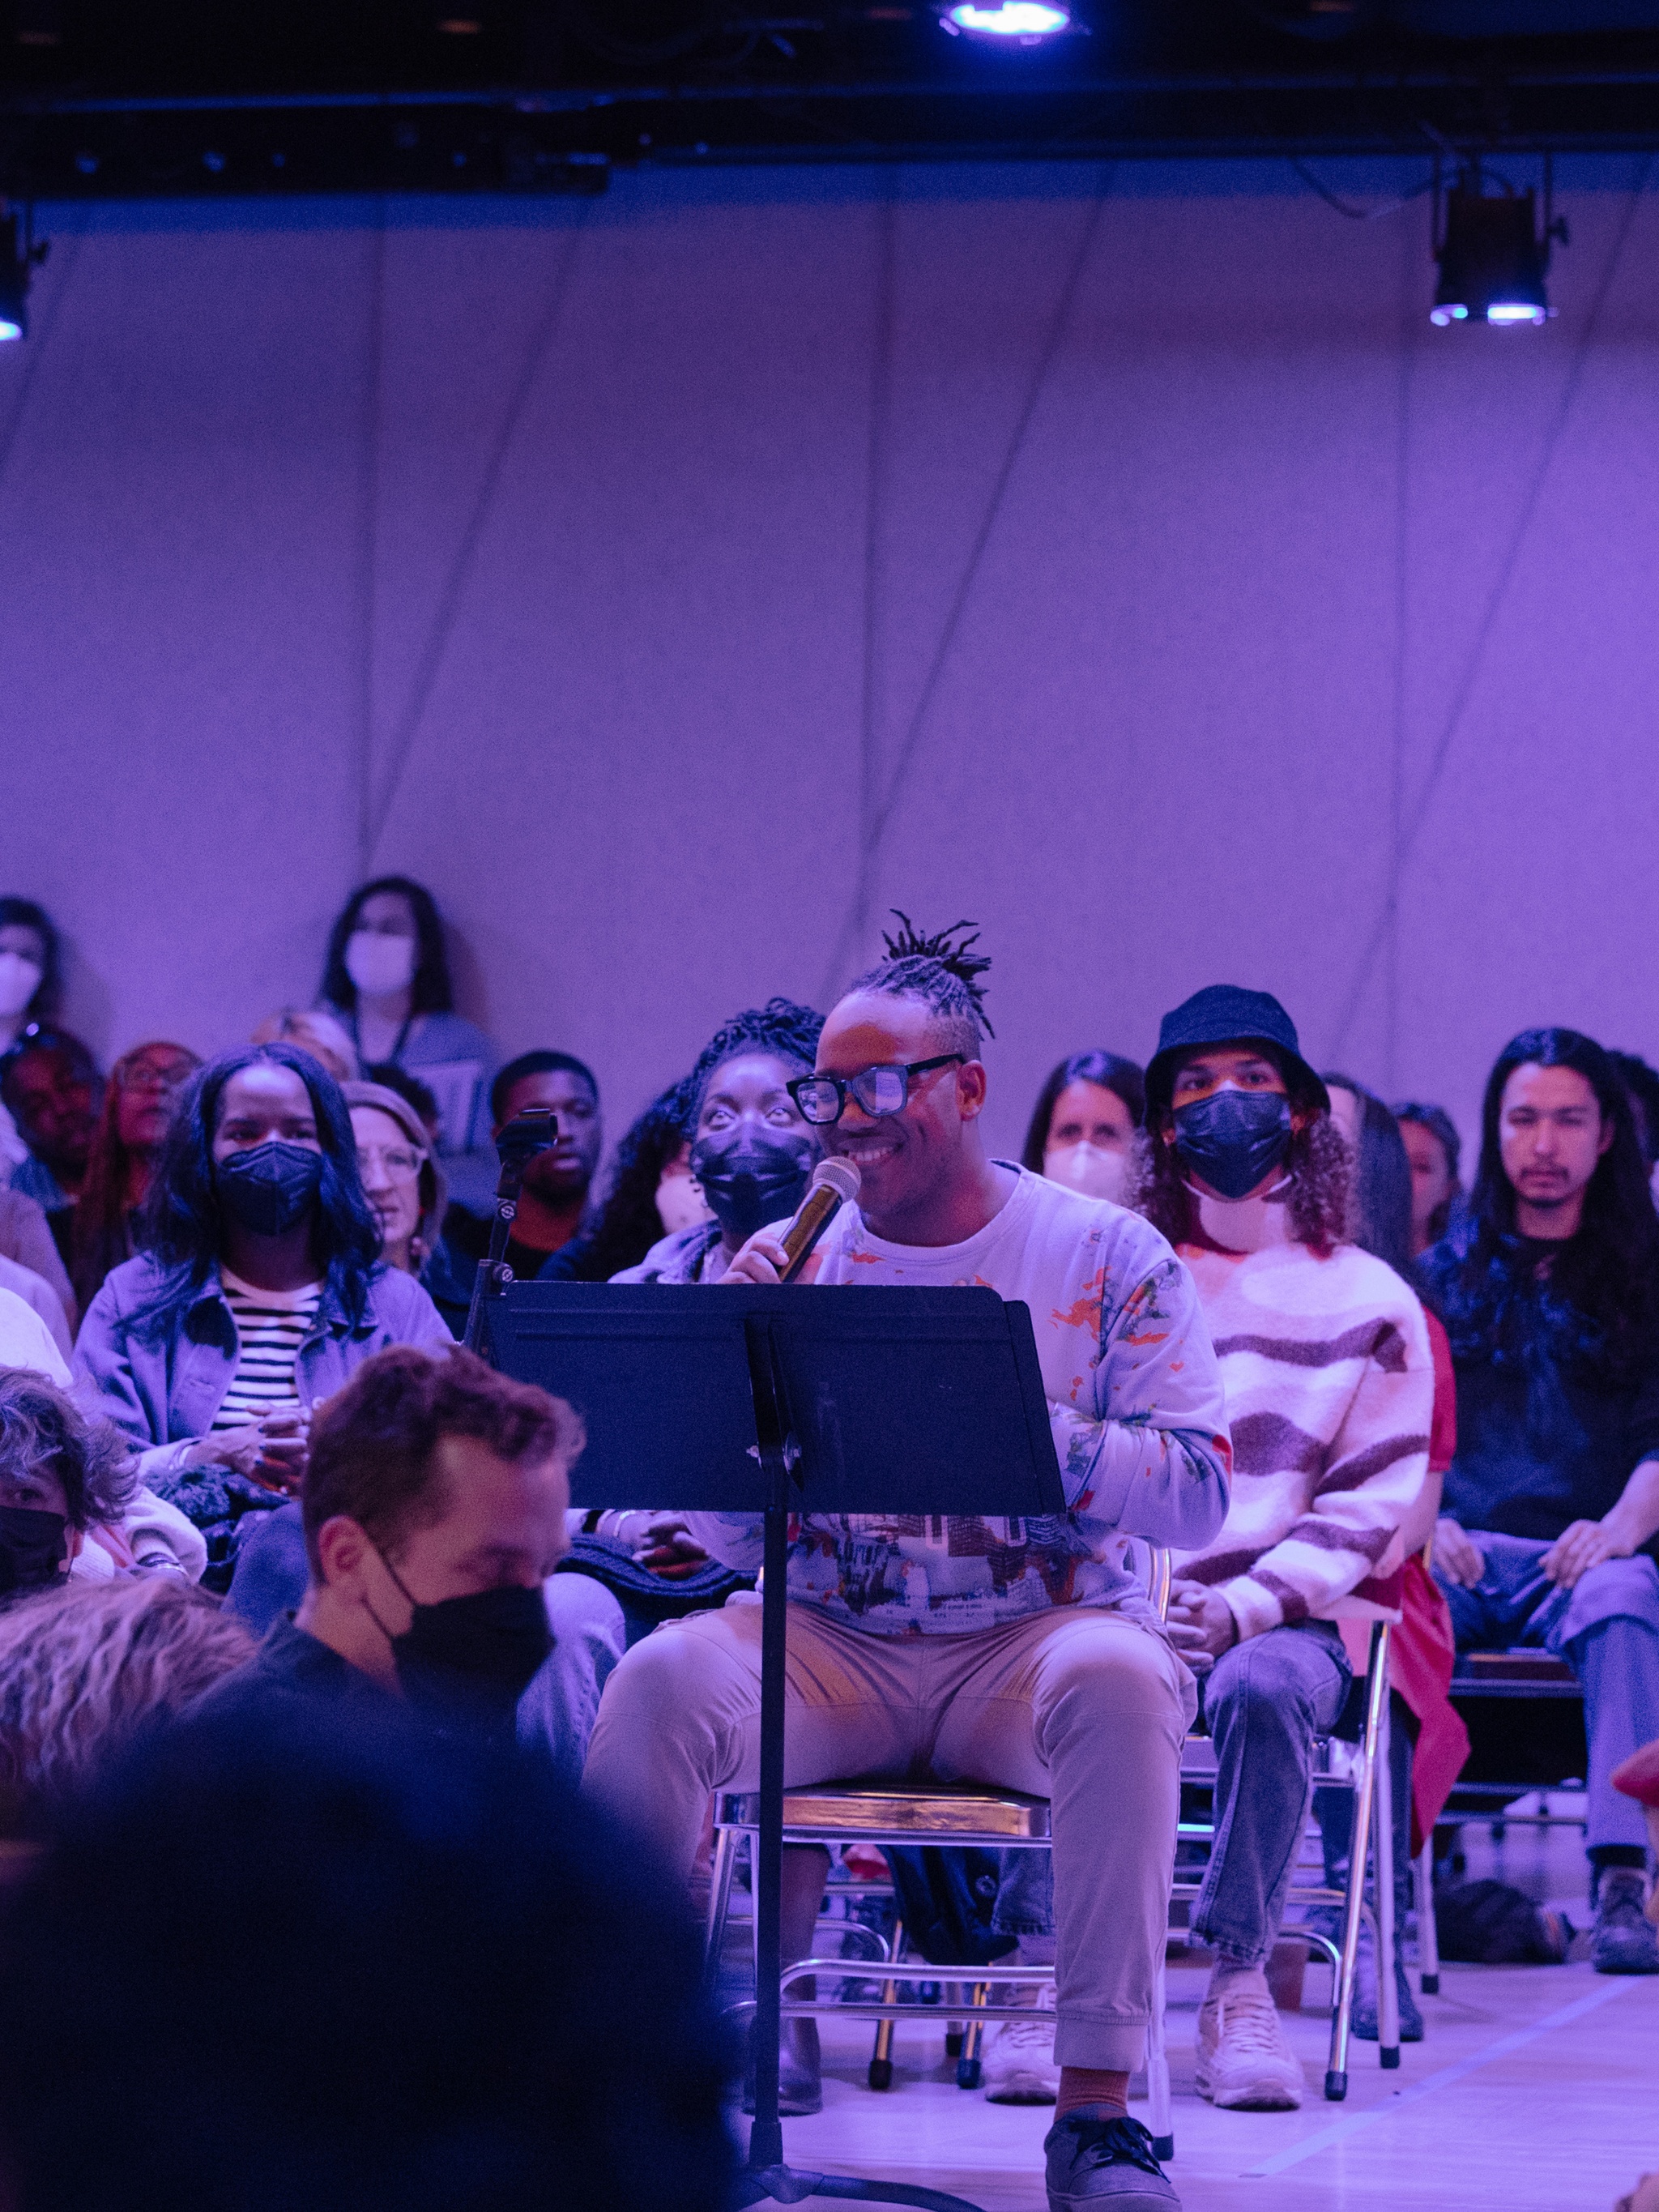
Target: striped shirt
[[1330, 1390], [270, 1325]]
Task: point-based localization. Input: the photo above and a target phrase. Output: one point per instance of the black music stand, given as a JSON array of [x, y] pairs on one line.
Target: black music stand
[[889, 1401]]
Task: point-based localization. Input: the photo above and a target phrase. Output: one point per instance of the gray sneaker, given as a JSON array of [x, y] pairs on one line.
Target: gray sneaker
[[1624, 1941], [1105, 2164]]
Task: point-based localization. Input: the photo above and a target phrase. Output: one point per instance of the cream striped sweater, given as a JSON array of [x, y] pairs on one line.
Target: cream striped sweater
[[1329, 1384]]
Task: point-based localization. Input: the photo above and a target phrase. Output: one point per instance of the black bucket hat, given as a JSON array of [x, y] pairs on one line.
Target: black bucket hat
[[1225, 1014]]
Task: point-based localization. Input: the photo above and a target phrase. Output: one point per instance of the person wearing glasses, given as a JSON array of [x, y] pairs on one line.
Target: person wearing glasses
[[121, 1165], [1020, 1653], [402, 1180]]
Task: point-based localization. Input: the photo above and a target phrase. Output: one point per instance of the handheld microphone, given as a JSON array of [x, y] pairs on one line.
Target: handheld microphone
[[834, 1182]]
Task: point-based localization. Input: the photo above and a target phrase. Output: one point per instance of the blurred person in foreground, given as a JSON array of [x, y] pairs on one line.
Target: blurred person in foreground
[[84, 1667], [1082, 1126], [1548, 1286], [260, 1289], [354, 1967], [137, 1111], [432, 1511]]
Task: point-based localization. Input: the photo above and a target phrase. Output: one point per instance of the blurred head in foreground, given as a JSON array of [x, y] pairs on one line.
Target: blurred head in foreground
[[355, 1967]]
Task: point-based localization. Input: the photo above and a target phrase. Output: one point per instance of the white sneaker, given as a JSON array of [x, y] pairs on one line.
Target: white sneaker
[[1244, 2060], [1019, 2055]]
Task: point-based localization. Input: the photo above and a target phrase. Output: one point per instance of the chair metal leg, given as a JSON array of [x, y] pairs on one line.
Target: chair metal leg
[[1428, 1941], [968, 2066], [1336, 2072], [1157, 2072], [881, 2059], [1388, 1989], [720, 1901]]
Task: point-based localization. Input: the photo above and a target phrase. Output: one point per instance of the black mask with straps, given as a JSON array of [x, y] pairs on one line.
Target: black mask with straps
[[270, 1187], [466, 1662], [31, 1546], [752, 1179]]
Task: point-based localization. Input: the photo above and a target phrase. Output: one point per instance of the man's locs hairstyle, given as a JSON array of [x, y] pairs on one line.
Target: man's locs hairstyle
[[943, 971]]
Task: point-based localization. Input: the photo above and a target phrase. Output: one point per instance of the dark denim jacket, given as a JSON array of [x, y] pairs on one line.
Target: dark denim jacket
[[165, 1390]]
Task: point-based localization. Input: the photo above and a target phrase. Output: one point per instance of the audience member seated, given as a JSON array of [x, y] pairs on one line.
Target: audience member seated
[[554, 1197], [387, 976], [1428, 1743], [653, 1195], [50, 1083], [402, 1182], [1083, 1129], [753, 1156], [1329, 1386], [434, 1508], [316, 1033], [357, 1968], [261, 1291], [1549, 1288], [1640, 1085], [413, 1092], [25, 1340], [29, 987], [84, 1668], [60, 1474], [143, 1086], [27, 1243], [1435, 1151], [916, 1655]]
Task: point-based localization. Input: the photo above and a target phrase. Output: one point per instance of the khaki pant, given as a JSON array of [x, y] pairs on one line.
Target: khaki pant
[[1079, 1705]]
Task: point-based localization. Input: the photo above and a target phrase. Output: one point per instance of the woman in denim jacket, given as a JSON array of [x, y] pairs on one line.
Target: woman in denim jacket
[[260, 1290]]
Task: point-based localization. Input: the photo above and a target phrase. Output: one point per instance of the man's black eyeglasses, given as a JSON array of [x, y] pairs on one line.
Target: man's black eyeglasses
[[822, 1098]]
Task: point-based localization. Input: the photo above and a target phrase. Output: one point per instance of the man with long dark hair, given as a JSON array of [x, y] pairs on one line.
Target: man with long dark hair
[[1548, 1284], [261, 1289]]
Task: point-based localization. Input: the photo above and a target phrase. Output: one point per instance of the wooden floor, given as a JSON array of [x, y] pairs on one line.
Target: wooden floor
[[1535, 2090]]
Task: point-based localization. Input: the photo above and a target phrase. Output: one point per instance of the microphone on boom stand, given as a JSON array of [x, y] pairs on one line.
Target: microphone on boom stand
[[535, 1130], [835, 1182]]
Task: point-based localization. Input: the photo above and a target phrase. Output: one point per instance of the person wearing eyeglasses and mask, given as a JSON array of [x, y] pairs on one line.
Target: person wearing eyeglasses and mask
[[1325, 1355], [260, 1291], [1014, 1652], [434, 1508]]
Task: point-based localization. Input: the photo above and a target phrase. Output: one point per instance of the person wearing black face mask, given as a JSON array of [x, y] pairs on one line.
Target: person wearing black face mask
[[1325, 1361], [62, 1477], [434, 1506], [261, 1291]]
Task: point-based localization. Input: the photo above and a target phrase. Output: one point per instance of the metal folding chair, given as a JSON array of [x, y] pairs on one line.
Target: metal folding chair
[[1365, 1770], [968, 1814]]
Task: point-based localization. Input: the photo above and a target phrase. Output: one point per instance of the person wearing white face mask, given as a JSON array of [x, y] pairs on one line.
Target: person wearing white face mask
[[386, 978], [28, 993], [1084, 1124]]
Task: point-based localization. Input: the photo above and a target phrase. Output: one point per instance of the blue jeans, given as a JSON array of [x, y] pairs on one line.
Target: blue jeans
[[590, 1634], [1607, 1629], [1267, 1701]]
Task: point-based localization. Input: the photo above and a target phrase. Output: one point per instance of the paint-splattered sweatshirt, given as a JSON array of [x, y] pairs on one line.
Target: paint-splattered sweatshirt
[[1135, 1407]]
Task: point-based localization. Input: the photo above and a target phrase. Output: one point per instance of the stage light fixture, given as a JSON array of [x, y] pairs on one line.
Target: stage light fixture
[[1491, 253], [20, 256], [1009, 22]]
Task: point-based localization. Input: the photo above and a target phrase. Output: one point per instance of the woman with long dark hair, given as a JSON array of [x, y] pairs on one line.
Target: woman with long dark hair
[[1435, 1151], [132, 1127], [1083, 1126], [1548, 1284], [260, 1288], [386, 977]]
